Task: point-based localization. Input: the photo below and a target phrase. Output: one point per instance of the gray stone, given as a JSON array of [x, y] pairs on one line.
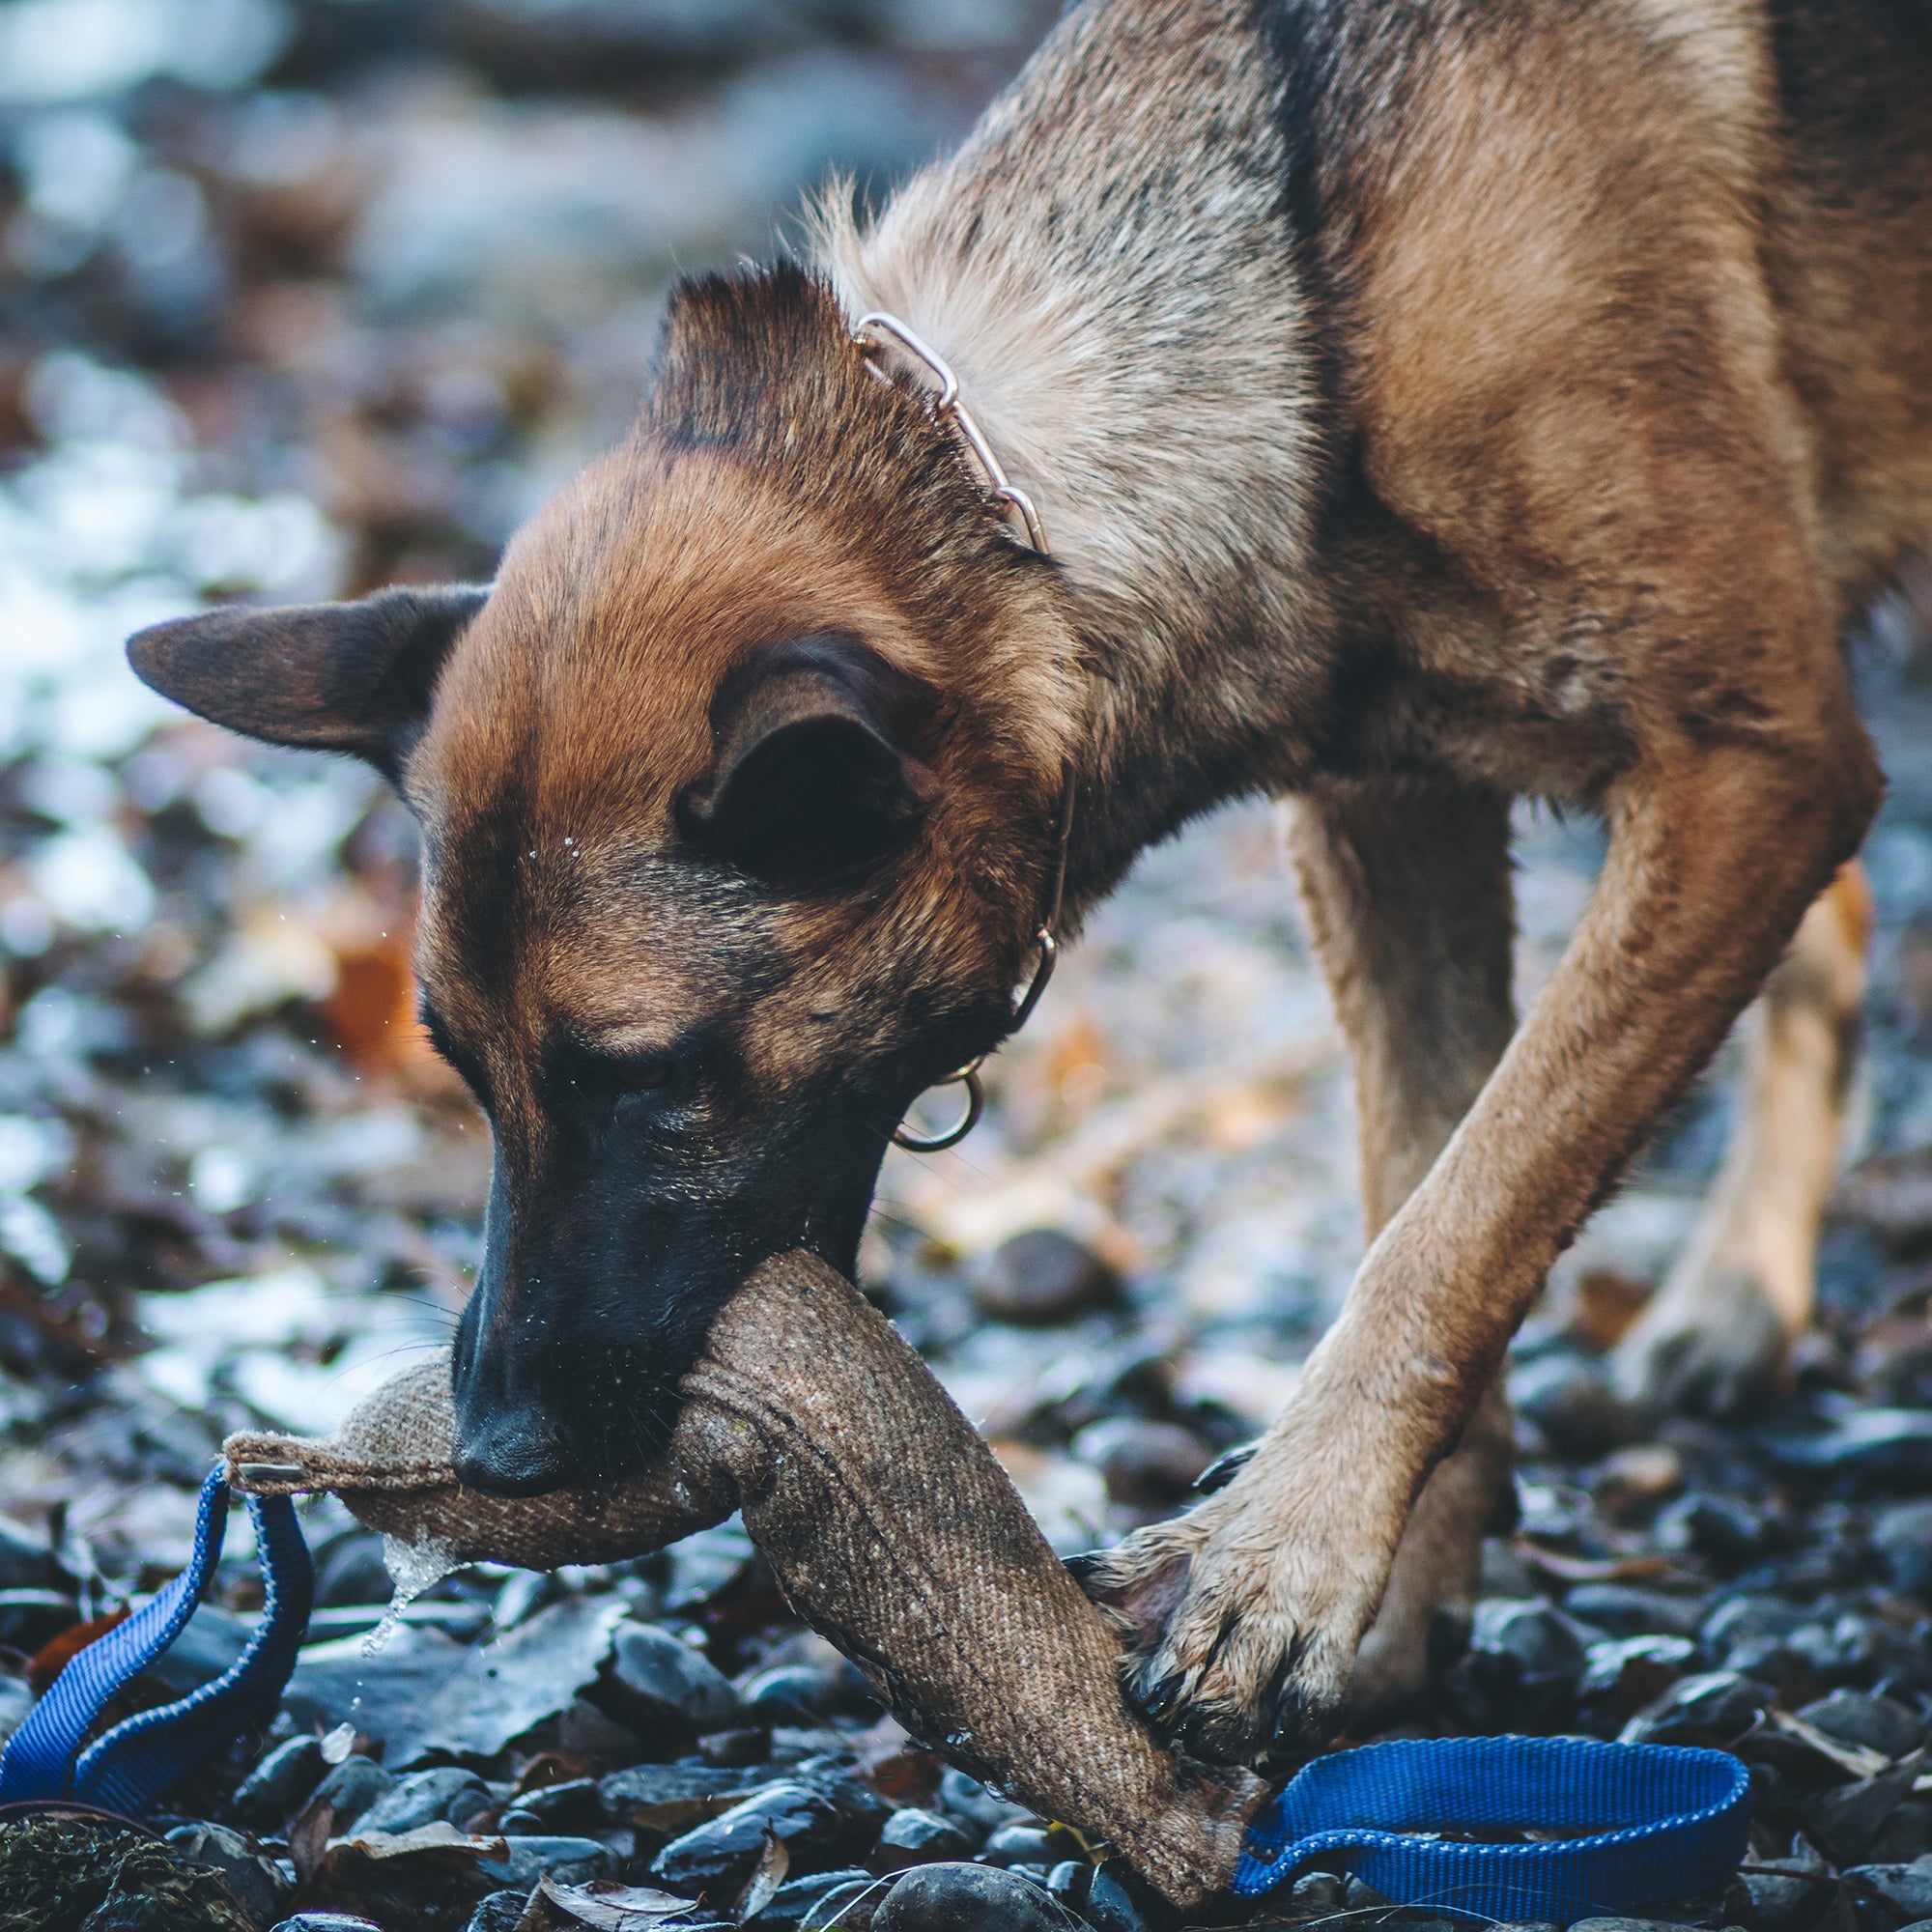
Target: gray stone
[[448, 1793], [1146, 1465], [255, 1879], [326, 1921], [853, 1903], [568, 1860], [1781, 1904], [26, 1563], [1627, 1925], [788, 1907], [1117, 1901], [1906, 1888], [1043, 1275], [1020, 1845], [278, 1787], [1539, 1638], [668, 1680], [500, 1912], [919, 1837], [352, 1788], [1853, 1718], [575, 1805], [1722, 1530], [1714, 1703], [1903, 1538], [1625, 1610], [30, 1618], [969, 1898], [967, 1798], [1572, 1403], [719, 1856], [210, 1644]]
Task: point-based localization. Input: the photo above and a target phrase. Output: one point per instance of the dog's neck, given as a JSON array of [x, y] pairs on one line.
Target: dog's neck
[[1105, 265]]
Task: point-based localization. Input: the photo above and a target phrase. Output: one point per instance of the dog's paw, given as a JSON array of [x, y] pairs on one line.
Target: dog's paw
[[1712, 1342], [1239, 1645]]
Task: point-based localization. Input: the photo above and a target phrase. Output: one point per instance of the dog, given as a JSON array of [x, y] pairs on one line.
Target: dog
[[1394, 410]]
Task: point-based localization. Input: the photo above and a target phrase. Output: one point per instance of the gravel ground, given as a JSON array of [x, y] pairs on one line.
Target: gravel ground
[[301, 298]]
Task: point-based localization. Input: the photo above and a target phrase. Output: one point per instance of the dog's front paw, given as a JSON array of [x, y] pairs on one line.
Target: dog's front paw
[[1711, 1342], [1239, 1641]]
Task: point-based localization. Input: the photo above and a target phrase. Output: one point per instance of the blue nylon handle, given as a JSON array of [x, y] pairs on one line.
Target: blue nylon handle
[[1663, 1823], [130, 1766]]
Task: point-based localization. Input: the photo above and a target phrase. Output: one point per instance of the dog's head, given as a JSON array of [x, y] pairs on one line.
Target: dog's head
[[738, 793]]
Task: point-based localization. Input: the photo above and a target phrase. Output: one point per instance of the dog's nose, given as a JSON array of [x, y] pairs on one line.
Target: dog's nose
[[511, 1452]]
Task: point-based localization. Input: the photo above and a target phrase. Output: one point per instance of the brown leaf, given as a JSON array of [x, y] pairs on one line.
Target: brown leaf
[[773, 1863], [308, 1836]]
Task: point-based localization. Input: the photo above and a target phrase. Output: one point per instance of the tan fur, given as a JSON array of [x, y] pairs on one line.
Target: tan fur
[[1718, 1331]]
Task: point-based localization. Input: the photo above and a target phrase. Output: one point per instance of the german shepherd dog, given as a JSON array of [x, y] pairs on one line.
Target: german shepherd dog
[[1425, 405]]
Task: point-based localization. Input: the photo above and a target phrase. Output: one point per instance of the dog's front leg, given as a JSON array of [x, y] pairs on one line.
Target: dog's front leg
[[1251, 1606]]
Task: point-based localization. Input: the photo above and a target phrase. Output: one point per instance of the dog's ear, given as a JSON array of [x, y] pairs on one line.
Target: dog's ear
[[812, 776], [331, 677]]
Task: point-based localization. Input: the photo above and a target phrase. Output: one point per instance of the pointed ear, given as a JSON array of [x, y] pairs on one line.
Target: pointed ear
[[331, 677], [811, 777]]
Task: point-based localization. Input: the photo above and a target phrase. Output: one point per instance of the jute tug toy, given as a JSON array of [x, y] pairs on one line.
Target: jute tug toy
[[891, 1530]]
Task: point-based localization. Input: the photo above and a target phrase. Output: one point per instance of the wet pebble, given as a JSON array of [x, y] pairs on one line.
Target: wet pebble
[[326, 1921], [1714, 1704], [279, 1786], [1906, 1888], [718, 1857], [449, 1793], [1572, 1403], [30, 1618], [968, 1898], [27, 1563], [567, 1859], [1781, 1904], [1144, 1464], [1021, 1844], [1625, 1926], [502, 1912], [669, 1682], [788, 1907], [256, 1880], [1044, 1276], [1722, 1529], [1902, 1535], [1877, 1722], [967, 1798], [916, 1837], [1626, 1609], [352, 1788]]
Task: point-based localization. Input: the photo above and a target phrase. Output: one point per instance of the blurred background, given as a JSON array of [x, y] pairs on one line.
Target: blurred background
[[298, 297]]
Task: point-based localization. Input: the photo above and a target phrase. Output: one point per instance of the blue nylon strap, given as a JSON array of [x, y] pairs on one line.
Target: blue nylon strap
[[1662, 1823], [127, 1768]]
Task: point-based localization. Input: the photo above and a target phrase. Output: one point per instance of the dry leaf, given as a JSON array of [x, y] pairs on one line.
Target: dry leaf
[[605, 1906], [773, 1864]]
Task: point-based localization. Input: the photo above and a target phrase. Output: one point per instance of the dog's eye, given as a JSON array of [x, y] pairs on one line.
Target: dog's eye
[[646, 1076]]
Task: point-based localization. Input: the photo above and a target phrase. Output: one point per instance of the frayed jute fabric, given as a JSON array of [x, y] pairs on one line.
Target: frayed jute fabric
[[891, 1530]]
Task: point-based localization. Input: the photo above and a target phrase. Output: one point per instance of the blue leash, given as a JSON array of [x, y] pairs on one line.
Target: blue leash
[[130, 1766], [1663, 1823]]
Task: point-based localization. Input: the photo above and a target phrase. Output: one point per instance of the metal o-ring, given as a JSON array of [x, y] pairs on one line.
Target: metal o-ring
[[976, 1104]]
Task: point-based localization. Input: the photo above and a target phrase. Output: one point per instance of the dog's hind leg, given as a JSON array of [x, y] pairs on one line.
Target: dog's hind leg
[[1407, 898], [1716, 1334]]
